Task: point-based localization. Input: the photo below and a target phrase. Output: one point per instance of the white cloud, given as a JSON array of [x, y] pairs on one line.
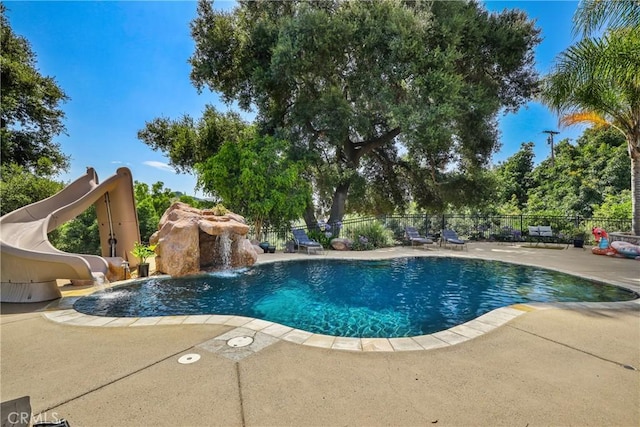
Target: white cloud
[[116, 162], [159, 165]]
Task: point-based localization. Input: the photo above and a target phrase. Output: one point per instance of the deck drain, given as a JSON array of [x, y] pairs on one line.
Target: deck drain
[[189, 358], [241, 341]]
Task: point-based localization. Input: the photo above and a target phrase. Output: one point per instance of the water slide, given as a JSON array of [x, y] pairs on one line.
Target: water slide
[[30, 265]]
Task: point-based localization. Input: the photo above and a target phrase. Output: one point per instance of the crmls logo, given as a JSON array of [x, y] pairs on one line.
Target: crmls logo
[[25, 418]]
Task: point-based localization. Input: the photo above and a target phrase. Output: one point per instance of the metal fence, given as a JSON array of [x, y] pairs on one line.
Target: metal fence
[[470, 227]]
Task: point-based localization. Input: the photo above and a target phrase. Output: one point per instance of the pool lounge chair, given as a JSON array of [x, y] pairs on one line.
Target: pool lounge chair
[[544, 234], [415, 238], [450, 237], [301, 240]]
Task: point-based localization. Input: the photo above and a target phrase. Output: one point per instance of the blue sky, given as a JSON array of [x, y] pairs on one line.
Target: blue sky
[[125, 63]]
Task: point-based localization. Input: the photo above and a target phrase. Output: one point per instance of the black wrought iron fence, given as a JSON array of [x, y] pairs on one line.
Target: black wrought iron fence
[[471, 227]]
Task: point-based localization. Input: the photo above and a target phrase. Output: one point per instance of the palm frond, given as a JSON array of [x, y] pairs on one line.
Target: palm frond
[[614, 56], [589, 117], [601, 76], [592, 15]]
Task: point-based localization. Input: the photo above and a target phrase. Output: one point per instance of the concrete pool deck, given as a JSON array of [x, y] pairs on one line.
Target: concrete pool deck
[[546, 366]]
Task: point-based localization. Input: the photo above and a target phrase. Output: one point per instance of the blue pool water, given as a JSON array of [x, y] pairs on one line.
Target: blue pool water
[[384, 298]]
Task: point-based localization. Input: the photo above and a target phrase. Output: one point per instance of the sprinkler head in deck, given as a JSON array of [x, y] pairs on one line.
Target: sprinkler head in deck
[[241, 341], [189, 358]]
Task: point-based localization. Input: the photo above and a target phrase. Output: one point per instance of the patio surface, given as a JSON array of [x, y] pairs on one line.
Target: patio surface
[[574, 364]]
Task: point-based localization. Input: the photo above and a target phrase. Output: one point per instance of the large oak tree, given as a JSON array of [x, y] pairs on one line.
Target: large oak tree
[[400, 97]]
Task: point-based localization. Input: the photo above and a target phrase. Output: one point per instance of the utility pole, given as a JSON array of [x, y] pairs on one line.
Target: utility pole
[[550, 141]]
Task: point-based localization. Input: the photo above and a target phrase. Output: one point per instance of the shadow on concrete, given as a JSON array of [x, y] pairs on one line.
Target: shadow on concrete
[[606, 313], [15, 308]]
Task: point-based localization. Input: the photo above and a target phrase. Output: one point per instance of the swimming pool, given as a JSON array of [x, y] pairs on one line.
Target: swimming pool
[[368, 299]]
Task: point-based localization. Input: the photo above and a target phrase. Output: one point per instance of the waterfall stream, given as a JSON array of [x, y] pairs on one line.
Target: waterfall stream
[[224, 249]]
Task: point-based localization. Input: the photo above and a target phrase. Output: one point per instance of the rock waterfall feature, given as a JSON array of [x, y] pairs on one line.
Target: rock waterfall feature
[[190, 240]]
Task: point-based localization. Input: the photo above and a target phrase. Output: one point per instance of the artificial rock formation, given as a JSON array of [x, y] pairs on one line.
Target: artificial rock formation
[[191, 240]]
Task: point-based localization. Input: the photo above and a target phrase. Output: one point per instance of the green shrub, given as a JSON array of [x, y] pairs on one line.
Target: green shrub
[[369, 236], [142, 252], [219, 210], [361, 243], [397, 229]]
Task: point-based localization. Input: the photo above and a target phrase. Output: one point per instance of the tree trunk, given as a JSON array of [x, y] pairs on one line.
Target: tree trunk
[[310, 216], [257, 225], [635, 192], [338, 202], [349, 156]]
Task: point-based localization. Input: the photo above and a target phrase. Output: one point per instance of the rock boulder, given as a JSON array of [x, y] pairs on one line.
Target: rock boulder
[[340, 244]]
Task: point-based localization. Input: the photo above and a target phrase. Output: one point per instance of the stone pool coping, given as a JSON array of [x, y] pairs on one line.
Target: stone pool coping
[[61, 311], [452, 336]]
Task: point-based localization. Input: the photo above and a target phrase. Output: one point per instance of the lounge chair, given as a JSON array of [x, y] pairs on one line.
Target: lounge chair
[[415, 238], [301, 240], [545, 234], [450, 237]]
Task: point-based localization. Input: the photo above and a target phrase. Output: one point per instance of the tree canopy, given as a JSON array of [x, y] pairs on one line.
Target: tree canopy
[[514, 176], [256, 178], [402, 96], [30, 115], [585, 178], [151, 203], [187, 141], [81, 235], [20, 187]]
